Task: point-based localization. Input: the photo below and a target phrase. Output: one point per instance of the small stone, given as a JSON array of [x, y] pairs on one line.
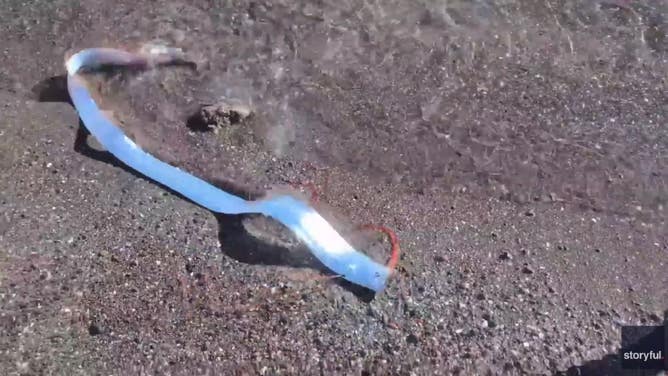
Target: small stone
[[412, 339], [218, 115], [529, 213], [439, 258], [94, 330], [505, 256], [527, 270], [655, 317]]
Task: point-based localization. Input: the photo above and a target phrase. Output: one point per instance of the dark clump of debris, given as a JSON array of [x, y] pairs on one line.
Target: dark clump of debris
[[215, 116]]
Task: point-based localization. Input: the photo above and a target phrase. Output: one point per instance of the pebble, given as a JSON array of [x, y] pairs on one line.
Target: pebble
[[655, 317], [94, 330], [505, 256], [527, 270]]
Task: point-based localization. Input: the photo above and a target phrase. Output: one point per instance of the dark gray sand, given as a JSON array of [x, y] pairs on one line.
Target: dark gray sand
[[518, 148]]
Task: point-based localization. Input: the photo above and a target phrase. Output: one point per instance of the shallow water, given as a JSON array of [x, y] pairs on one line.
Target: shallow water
[[525, 100]]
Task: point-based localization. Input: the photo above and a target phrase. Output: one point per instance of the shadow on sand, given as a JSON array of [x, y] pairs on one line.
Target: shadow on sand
[[235, 240]]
